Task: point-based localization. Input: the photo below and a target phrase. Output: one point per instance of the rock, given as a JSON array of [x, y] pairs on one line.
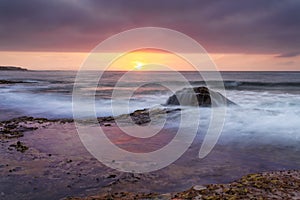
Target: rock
[[112, 176], [199, 187], [16, 127], [140, 116], [19, 146], [254, 186], [10, 82], [198, 96]]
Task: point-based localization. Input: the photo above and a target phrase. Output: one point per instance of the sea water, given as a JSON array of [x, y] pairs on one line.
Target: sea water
[[268, 102]]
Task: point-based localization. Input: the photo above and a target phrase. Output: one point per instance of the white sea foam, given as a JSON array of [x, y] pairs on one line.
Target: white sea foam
[[263, 115], [60, 105]]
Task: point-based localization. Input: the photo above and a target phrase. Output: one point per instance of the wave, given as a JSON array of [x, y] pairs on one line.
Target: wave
[[240, 84]]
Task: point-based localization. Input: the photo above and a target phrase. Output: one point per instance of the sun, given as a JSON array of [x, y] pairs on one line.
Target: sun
[[138, 65]]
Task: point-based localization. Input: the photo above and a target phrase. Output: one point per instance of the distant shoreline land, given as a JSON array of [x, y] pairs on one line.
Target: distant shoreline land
[[12, 68]]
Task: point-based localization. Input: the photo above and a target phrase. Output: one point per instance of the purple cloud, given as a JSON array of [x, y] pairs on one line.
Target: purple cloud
[[220, 26]]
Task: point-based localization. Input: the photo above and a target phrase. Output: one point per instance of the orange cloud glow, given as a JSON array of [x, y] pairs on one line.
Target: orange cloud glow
[[139, 60], [150, 60]]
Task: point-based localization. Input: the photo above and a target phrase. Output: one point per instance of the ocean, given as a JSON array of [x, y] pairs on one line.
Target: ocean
[[268, 102], [49, 93]]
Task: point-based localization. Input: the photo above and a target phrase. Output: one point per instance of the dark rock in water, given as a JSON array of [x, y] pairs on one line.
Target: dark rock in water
[[19, 146], [10, 82], [140, 116], [198, 96], [16, 127]]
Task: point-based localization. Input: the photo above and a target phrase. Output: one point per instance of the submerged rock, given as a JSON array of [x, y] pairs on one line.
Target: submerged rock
[[16, 127], [198, 96], [19, 146], [10, 82], [143, 117]]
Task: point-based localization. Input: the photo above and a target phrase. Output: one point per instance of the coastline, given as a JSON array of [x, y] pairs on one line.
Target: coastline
[[12, 68], [39, 154], [266, 185]]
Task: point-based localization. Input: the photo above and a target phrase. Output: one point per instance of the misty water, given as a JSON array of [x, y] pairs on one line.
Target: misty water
[[261, 133]]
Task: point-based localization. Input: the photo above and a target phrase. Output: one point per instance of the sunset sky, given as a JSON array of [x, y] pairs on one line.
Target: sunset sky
[[238, 35]]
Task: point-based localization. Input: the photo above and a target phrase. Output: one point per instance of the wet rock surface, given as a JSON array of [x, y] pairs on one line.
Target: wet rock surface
[[16, 127], [143, 117], [56, 165], [198, 96], [19, 146], [268, 185]]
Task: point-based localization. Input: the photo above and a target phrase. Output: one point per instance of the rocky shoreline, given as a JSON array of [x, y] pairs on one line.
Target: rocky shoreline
[[267, 185], [16, 127]]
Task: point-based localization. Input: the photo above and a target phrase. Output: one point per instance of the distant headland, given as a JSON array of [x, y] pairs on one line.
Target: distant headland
[[12, 68]]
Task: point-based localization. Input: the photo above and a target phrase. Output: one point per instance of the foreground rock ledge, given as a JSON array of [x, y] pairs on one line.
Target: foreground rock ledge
[[268, 185]]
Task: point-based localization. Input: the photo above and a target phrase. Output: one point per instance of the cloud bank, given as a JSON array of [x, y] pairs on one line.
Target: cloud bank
[[255, 26]]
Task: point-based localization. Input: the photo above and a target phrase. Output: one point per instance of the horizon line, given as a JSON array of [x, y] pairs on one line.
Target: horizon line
[[167, 70]]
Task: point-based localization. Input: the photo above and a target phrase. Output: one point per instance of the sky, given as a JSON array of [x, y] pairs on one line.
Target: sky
[[238, 35]]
